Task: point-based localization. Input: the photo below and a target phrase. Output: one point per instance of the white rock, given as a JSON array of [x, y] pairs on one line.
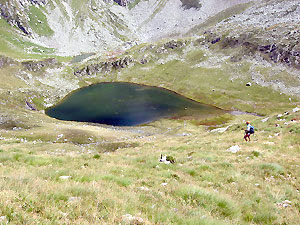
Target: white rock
[[64, 177], [127, 218], [2, 219], [220, 130], [186, 134], [64, 214], [265, 119], [285, 205], [234, 149], [296, 109], [164, 184], [144, 189], [74, 199]]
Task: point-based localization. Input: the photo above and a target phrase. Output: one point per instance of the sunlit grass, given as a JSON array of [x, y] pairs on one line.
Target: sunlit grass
[[56, 172], [59, 182]]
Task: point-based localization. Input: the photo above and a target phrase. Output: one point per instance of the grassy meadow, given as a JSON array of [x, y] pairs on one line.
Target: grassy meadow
[[55, 172]]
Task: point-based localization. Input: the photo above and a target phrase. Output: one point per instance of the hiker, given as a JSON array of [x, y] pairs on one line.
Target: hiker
[[249, 130]]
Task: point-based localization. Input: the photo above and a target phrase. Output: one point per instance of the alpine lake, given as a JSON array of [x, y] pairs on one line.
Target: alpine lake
[[128, 104]]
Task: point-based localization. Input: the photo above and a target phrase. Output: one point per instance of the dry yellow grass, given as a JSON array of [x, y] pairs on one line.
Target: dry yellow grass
[[206, 184]]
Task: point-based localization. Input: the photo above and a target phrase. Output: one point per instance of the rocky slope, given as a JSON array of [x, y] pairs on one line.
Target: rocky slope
[[239, 42], [72, 27]]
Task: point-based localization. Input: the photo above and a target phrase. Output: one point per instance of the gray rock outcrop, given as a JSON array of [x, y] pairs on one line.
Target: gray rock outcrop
[[5, 61], [38, 65], [104, 67]]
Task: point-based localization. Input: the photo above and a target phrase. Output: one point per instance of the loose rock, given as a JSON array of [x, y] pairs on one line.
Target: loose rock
[[64, 177], [144, 189], [234, 149], [296, 109], [265, 119], [129, 219], [284, 204], [74, 199], [220, 130]]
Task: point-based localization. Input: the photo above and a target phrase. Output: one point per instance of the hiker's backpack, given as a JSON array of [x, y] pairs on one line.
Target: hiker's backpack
[[251, 129]]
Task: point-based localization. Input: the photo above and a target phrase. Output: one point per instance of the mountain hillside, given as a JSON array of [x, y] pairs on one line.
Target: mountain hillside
[[240, 56], [75, 43], [73, 27]]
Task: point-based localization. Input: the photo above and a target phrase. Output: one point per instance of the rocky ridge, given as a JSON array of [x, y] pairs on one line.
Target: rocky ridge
[[5, 61], [15, 12], [265, 43], [96, 26], [269, 29], [125, 61]]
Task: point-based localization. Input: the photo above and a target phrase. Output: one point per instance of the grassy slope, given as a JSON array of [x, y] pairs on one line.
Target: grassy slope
[[38, 22], [16, 46], [206, 185], [223, 15], [206, 76]]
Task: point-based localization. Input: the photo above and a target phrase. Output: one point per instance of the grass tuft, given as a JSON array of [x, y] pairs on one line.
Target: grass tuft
[[211, 202], [272, 169]]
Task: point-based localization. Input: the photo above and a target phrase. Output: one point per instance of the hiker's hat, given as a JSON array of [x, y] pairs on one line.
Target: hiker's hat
[[248, 122]]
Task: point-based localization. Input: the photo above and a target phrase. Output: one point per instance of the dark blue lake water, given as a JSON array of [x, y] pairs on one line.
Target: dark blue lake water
[[126, 104]]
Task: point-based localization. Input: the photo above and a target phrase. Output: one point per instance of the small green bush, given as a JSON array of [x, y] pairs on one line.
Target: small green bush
[[255, 153], [214, 203], [272, 169]]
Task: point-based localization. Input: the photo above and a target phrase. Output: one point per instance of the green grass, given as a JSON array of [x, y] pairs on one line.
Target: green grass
[[271, 169], [133, 4], [115, 171], [206, 184], [38, 22], [14, 46], [199, 83]]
